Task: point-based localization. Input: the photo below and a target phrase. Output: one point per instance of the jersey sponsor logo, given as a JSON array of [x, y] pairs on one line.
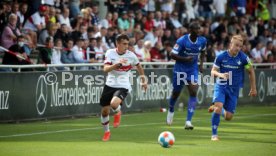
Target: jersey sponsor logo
[[125, 68], [193, 54], [230, 66]]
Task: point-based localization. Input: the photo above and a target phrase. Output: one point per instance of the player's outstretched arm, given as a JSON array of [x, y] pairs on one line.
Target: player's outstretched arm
[[202, 56], [144, 82], [215, 73], [252, 79], [107, 68]]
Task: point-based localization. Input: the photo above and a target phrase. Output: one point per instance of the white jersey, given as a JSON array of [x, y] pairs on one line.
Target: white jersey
[[120, 78], [34, 20]]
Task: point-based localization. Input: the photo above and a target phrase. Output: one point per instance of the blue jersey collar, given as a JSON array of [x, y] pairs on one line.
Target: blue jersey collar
[[191, 40], [230, 54]]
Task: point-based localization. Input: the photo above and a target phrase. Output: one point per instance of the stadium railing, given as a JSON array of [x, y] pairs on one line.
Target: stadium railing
[[99, 65]]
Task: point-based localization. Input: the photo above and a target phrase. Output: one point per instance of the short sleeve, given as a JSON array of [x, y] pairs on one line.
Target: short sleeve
[[177, 47], [135, 60], [107, 59], [217, 62]]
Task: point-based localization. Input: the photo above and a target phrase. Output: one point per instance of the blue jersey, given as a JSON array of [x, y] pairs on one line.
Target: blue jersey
[[185, 47], [235, 65]]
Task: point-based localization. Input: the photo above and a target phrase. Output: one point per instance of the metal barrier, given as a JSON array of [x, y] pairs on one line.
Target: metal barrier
[[99, 65]]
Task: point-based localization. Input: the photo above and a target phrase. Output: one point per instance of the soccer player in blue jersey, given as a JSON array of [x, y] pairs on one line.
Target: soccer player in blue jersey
[[185, 72], [229, 69]]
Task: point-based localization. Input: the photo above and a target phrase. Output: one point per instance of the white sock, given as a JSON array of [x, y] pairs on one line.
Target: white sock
[[105, 123], [118, 109], [188, 123], [170, 117]]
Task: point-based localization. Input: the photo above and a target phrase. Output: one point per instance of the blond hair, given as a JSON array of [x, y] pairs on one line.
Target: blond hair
[[237, 37]]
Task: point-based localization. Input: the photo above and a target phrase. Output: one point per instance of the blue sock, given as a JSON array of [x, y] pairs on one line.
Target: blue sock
[[172, 103], [191, 108], [215, 123]]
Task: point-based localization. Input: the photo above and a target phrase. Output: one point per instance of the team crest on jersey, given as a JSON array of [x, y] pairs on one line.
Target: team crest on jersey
[[176, 46], [239, 62]]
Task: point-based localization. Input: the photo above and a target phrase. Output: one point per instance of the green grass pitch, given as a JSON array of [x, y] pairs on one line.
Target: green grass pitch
[[252, 132]]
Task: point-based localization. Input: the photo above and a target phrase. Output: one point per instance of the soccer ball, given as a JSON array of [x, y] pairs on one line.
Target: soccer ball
[[166, 139]]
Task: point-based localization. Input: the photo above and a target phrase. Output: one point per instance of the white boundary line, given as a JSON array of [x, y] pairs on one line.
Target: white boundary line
[[72, 130], [94, 128]]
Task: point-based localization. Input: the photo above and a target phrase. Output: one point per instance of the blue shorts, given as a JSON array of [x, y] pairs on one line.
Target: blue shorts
[[183, 78], [228, 96]]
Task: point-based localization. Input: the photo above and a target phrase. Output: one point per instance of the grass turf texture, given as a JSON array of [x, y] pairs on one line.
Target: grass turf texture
[[251, 132]]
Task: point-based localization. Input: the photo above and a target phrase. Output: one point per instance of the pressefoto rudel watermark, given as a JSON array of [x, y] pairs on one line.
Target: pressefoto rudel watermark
[[181, 78]]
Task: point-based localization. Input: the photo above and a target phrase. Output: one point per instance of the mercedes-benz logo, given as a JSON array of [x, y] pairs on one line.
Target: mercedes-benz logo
[[128, 100], [41, 95], [261, 86], [200, 94]]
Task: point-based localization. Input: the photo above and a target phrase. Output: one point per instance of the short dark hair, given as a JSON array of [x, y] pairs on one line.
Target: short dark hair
[[194, 25], [49, 39], [121, 37], [20, 36]]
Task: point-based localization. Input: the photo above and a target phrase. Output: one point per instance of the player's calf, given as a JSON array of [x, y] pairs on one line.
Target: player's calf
[[228, 116]]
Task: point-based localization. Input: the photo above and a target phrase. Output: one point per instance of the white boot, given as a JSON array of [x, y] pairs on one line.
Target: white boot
[[189, 125], [170, 118]]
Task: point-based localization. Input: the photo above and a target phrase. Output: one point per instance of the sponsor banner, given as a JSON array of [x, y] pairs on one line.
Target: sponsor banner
[[39, 95]]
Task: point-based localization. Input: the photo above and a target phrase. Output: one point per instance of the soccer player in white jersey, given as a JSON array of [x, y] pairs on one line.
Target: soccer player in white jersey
[[118, 63]]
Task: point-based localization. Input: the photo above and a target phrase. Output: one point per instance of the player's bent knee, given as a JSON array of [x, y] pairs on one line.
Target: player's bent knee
[[217, 109], [114, 104], [228, 117]]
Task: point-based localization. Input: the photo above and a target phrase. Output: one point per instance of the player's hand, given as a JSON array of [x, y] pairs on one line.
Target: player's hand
[[143, 82], [253, 92], [224, 75], [120, 63], [145, 86]]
